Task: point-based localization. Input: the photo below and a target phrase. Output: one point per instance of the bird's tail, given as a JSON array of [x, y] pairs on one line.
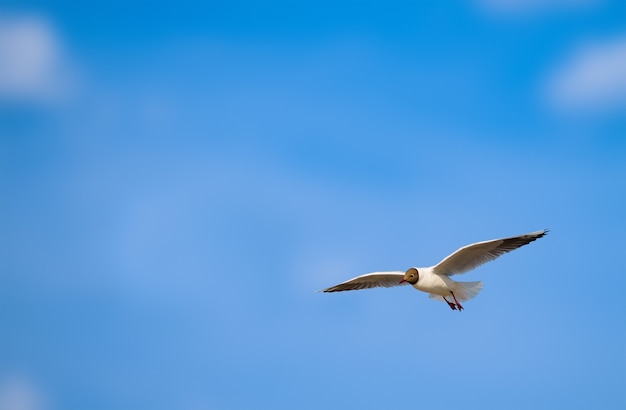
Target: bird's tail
[[467, 290], [463, 291]]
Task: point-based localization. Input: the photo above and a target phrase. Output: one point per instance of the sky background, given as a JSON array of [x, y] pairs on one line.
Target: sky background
[[177, 179]]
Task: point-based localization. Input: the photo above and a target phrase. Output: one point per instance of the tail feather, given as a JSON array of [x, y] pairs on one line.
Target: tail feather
[[463, 291], [467, 290]]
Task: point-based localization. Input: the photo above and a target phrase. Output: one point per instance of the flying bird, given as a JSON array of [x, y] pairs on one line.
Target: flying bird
[[436, 279]]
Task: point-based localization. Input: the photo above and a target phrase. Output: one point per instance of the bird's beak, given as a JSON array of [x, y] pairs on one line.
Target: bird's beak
[[402, 281]]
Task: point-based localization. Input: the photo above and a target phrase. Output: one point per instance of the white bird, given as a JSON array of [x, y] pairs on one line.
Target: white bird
[[436, 279]]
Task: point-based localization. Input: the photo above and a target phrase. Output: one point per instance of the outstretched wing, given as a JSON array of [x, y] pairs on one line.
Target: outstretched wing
[[474, 255], [370, 280]]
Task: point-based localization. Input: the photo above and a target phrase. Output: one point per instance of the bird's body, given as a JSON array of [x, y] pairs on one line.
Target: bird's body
[[441, 286], [436, 280]]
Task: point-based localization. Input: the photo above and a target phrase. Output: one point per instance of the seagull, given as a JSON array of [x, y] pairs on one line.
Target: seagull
[[436, 279]]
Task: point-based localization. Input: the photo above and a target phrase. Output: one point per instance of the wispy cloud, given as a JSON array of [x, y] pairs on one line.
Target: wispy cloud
[[531, 7], [18, 393], [593, 77], [33, 64]]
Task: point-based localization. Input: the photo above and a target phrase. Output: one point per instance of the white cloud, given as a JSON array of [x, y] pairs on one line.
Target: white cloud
[[591, 78], [17, 393], [33, 66], [530, 7]]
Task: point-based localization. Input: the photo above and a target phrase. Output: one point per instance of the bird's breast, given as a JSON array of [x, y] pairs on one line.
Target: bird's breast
[[432, 283]]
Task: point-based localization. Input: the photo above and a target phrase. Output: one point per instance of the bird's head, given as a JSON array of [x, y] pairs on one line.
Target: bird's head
[[411, 276]]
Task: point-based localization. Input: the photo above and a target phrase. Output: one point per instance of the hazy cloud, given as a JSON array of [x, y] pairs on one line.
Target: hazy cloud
[[592, 77], [525, 7], [33, 64], [17, 393]]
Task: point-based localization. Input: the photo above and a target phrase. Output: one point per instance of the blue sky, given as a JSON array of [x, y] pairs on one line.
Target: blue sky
[[178, 179]]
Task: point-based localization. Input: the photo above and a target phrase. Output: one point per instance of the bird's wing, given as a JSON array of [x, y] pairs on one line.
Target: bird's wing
[[474, 255], [370, 280]]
